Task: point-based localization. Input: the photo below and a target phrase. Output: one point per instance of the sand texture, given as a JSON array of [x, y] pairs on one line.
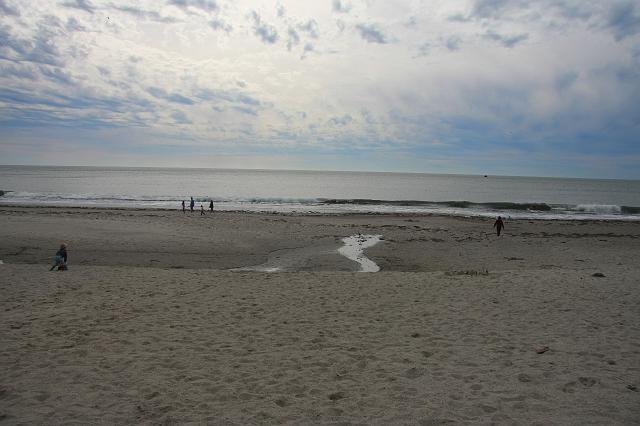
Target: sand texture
[[150, 326]]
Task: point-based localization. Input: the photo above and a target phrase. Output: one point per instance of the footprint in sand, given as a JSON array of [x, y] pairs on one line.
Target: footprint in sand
[[414, 373]]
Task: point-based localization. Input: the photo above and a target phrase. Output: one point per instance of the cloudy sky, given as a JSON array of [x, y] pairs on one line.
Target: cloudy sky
[[511, 87]]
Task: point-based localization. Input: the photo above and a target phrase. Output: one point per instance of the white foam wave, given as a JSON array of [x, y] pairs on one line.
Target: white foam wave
[[308, 206], [599, 208]]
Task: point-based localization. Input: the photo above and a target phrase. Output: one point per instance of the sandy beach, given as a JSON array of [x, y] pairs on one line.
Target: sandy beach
[[169, 318]]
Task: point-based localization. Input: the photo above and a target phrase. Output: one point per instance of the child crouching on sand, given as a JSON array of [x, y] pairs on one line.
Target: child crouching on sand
[[60, 259]]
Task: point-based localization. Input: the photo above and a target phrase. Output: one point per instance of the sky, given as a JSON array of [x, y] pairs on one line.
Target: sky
[[508, 87]]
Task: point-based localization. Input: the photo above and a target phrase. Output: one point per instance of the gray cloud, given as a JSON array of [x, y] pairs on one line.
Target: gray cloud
[[104, 71], [81, 5], [623, 20], [308, 48], [171, 97], [341, 121], [565, 81], [458, 17], [7, 9], [19, 71], [78, 51], [310, 27], [151, 15], [206, 5], [246, 110], [9, 43], [218, 24], [74, 25], [453, 43], [56, 74], [495, 8], [506, 41], [424, 49], [267, 33], [575, 11], [371, 33], [51, 21], [293, 38], [41, 49], [340, 7], [48, 98], [180, 117], [226, 96]]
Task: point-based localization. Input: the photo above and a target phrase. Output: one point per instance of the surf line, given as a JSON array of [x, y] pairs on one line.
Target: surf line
[[354, 247]]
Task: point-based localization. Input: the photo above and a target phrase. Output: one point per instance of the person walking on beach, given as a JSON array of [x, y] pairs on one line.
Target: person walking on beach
[[183, 208], [211, 205], [60, 259], [201, 210], [192, 204], [499, 225]]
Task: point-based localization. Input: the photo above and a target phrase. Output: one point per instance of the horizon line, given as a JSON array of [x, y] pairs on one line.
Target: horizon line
[[486, 175]]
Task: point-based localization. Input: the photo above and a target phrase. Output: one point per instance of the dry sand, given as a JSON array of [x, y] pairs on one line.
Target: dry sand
[[149, 326]]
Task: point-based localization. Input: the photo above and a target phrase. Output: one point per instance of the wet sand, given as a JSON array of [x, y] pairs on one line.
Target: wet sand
[[225, 240], [150, 326]]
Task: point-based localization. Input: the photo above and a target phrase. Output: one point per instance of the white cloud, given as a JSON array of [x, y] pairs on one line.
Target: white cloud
[[334, 74]]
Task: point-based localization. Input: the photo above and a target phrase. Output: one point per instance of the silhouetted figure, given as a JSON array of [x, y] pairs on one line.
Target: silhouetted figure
[[499, 225], [211, 205], [60, 259], [192, 204], [201, 210], [183, 207]]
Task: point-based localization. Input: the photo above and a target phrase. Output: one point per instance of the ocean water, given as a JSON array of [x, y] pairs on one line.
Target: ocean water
[[317, 192]]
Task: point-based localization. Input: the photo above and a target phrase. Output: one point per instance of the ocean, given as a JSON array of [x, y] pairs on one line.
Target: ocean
[[322, 192]]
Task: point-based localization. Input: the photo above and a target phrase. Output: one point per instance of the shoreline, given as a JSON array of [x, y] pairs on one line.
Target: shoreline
[[628, 219]]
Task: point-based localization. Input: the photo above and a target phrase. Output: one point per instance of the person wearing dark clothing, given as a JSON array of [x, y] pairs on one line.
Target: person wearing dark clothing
[[499, 225], [60, 259], [192, 204], [211, 205], [201, 210], [183, 208]]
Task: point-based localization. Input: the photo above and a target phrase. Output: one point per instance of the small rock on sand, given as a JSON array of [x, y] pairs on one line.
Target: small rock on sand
[[524, 378], [336, 396], [414, 373], [542, 349], [598, 274]]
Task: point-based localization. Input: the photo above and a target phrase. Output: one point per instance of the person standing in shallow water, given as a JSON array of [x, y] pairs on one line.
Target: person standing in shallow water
[[183, 208], [499, 225], [201, 210], [211, 205], [192, 204]]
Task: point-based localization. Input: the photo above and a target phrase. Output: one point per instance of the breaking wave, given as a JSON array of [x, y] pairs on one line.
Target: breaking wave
[[533, 210], [456, 204]]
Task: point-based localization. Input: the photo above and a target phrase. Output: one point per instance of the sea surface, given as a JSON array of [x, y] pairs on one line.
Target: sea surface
[[321, 192]]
